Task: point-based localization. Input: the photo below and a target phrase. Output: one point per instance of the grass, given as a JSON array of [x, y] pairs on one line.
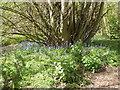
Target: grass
[[34, 66], [14, 39], [106, 42]]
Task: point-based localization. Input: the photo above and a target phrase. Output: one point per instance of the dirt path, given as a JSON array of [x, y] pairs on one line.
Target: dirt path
[[105, 79], [9, 47]]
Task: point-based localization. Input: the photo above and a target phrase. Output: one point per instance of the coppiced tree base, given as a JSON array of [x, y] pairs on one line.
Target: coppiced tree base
[[53, 23]]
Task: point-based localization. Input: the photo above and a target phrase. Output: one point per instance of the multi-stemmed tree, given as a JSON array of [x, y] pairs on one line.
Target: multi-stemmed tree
[[52, 22]]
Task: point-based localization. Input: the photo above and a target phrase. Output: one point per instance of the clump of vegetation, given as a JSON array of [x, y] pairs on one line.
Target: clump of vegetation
[[31, 61], [13, 39], [97, 57], [34, 65]]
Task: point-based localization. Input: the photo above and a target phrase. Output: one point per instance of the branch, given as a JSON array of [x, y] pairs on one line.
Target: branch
[[105, 13]]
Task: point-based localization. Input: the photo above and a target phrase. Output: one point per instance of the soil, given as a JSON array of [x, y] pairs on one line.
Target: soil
[[105, 79], [9, 47]]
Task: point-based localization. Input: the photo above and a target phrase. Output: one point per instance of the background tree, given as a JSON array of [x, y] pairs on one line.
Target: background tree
[[52, 22], [110, 22]]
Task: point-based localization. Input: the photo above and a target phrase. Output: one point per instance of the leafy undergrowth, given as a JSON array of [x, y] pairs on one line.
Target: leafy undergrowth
[[14, 39], [35, 66]]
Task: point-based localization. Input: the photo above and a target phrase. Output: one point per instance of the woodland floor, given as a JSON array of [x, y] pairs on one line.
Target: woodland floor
[[107, 78]]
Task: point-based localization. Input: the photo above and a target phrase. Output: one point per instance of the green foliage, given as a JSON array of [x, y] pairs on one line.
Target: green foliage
[[99, 37], [97, 57], [110, 24], [32, 65], [47, 65], [26, 71], [114, 26], [112, 20], [14, 39], [6, 42]]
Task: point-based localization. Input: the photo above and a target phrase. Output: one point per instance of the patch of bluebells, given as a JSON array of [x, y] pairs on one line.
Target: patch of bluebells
[[50, 48], [29, 46], [96, 56], [108, 48], [96, 49], [57, 46], [92, 44], [77, 52]]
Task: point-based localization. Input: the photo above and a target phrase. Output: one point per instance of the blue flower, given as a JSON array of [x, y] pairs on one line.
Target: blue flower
[[44, 55], [48, 45], [58, 47], [74, 51], [85, 44], [21, 43], [48, 50], [65, 44], [103, 55], [53, 53], [28, 48], [88, 48], [24, 47], [65, 51], [29, 44], [35, 50], [37, 46], [108, 48], [96, 46]]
